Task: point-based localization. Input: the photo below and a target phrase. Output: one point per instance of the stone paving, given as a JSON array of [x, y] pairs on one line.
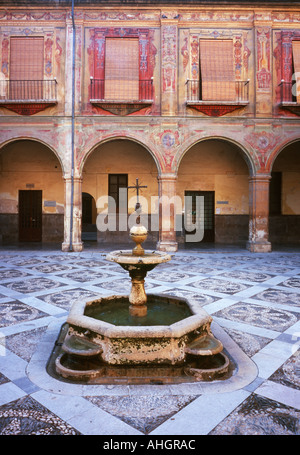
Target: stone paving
[[253, 298]]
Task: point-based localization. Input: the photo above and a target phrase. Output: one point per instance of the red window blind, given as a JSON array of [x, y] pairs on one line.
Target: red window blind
[[296, 59], [122, 69], [217, 71], [26, 67]]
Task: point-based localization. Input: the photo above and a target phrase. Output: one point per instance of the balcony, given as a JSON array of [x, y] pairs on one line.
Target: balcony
[[135, 98], [28, 97], [228, 102], [288, 99]]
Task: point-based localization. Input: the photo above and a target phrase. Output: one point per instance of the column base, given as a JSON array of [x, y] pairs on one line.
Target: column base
[[258, 247], [76, 247], [168, 247]]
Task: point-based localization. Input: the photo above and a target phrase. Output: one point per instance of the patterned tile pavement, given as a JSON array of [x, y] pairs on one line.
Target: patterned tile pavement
[[254, 298]]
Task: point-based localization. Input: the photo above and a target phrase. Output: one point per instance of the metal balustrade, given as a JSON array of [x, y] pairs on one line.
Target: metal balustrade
[[241, 92], [28, 91], [97, 91]]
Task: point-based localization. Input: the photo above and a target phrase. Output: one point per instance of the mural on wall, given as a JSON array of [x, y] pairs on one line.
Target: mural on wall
[[117, 16], [5, 52], [169, 58], [263, 71], [263, 143]]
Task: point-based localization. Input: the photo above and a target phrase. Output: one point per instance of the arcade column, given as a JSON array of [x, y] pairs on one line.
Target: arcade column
[[73, 212], [259, 214]]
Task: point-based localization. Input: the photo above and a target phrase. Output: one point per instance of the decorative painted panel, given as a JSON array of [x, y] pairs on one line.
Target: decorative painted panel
[[263, 71]]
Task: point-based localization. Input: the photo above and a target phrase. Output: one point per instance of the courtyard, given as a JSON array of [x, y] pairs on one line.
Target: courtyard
[[254, 300]]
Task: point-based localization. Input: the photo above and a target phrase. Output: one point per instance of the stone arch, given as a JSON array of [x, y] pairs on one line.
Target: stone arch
[[240, 148], [112, 165], [155, 155], [276, 152], [284, 207], [217, 170], [34, 139], [32, 194]]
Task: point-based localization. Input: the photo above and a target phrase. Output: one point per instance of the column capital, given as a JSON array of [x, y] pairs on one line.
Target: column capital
[[76, 178], [260, 178], [167, 177]]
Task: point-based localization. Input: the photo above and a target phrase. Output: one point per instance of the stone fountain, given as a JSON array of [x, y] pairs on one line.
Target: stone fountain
[[141, 332]]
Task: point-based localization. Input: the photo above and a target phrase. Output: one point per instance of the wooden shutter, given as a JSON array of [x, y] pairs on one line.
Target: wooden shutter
[[296, 59], [26, 68], [122, 69], [217, 71]]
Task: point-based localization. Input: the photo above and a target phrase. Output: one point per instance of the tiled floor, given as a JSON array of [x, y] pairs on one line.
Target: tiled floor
[[254, 300]]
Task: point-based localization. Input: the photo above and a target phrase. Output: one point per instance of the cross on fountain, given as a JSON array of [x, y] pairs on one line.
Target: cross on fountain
[[137, 187]]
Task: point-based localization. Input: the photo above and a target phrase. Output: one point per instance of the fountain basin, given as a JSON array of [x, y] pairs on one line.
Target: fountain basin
[[129, 261], [143, 344]]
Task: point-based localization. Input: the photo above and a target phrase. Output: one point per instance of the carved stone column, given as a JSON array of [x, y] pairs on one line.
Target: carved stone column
[[167, 213], [73, 212], [259, 214]]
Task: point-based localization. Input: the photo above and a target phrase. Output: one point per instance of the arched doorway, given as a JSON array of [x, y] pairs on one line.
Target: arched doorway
[[108, 171], [89, 215], [284, 207], [215, 171], [31, 193]]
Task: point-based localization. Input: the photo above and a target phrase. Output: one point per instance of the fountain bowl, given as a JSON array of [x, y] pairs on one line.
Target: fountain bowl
[[129, 261], [143, 344]]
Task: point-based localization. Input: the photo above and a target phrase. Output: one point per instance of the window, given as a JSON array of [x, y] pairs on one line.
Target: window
[[217, 81], [26, 68], [115, 182], [122, 69]]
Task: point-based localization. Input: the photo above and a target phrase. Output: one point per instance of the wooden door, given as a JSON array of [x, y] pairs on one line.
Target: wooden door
[[30, 215]]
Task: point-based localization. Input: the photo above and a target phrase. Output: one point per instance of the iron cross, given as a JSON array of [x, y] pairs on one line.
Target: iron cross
[[137, 187]]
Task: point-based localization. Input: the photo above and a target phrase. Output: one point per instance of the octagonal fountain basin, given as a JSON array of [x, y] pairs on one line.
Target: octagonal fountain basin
[[172, 329]]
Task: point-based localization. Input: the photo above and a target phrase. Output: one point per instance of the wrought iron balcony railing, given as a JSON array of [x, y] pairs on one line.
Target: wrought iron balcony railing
[[97, 91], [241, 93], [13, 91]]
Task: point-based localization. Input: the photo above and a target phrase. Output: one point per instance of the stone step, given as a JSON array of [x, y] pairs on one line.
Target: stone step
[[204, 345], [78, 346]]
